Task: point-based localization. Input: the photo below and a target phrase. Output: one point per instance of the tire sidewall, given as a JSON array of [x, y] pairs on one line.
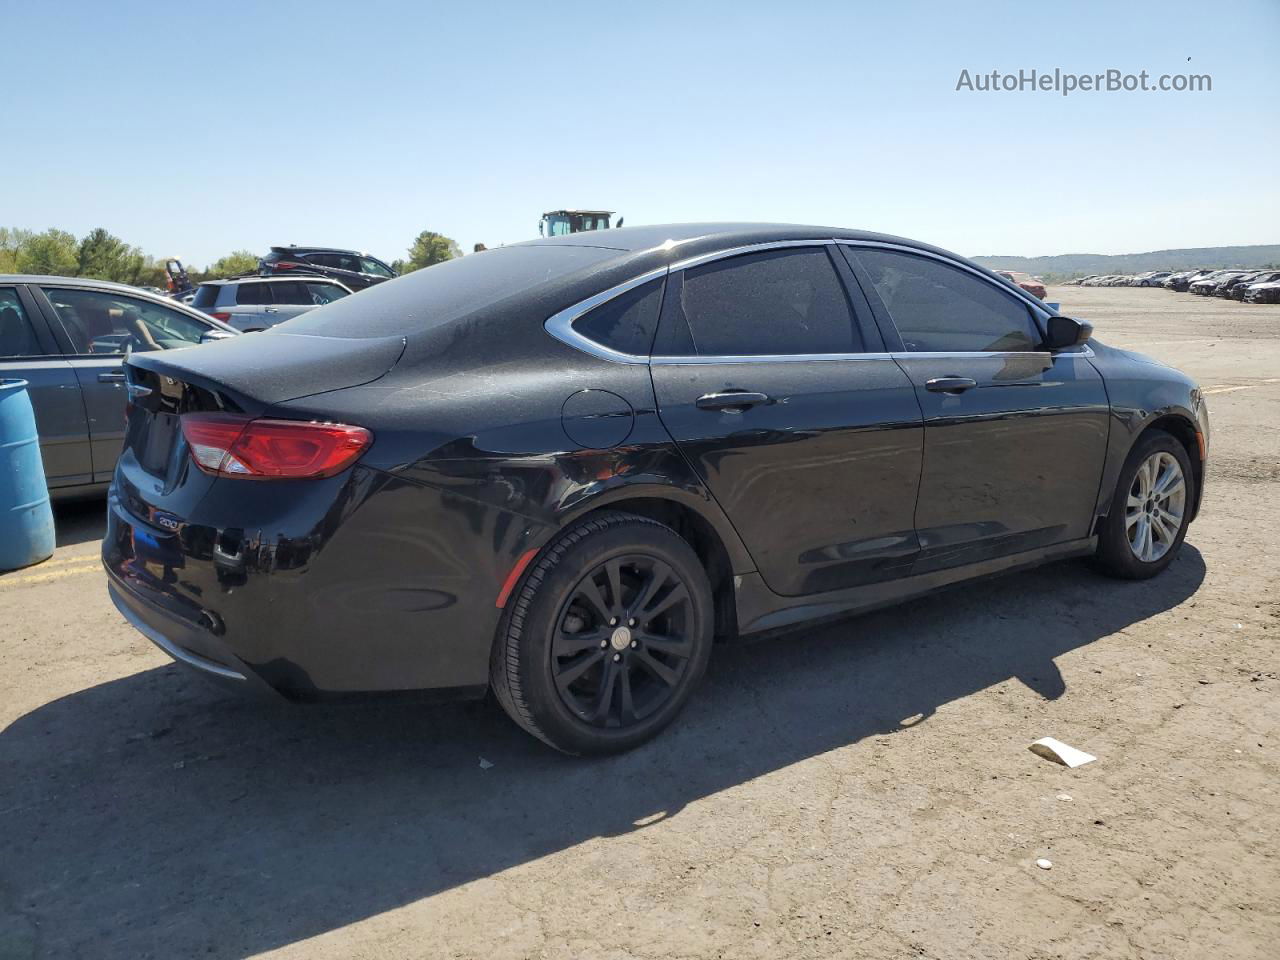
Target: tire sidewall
[[1114, 549], [550, 714]]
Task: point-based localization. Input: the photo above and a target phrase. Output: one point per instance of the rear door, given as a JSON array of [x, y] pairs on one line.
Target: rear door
[[251, 305], [1014, 435], [771, 377], [29, 352], [98, 327]]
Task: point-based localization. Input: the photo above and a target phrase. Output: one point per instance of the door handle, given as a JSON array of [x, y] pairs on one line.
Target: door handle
[[270, 310], [730, 400], [115, 377], [950, 384]]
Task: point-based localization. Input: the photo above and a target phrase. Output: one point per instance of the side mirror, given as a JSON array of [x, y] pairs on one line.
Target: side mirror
[[210, 336], [1066, 332]]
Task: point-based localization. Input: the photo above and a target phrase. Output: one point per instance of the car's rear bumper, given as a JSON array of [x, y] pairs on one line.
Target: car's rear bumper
[[187, 644], [351, 585]]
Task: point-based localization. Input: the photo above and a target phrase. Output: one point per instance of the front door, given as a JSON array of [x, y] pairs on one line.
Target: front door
[[101, 326], [29, 352], [1015, 436], [771, 377]]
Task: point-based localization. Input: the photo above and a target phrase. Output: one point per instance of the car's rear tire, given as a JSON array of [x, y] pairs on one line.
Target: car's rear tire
[[606, 637], [1150, 511]]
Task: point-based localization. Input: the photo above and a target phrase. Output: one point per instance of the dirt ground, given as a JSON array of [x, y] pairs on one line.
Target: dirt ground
[[859, 790]]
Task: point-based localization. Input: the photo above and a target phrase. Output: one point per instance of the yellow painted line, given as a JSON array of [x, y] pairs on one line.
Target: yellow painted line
[[71, 570], [61, 560]]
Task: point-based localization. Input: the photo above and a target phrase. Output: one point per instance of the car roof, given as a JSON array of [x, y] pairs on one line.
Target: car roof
[[256, 278], [700, 238], [307, 248]]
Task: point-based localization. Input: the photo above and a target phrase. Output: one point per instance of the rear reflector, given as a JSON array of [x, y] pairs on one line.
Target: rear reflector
[[224, 317], [228, 445]]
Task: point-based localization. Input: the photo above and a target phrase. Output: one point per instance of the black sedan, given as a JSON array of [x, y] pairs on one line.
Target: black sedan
[[562, 469]]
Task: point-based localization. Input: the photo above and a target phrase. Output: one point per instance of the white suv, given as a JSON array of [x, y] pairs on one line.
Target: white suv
[[255, 303]]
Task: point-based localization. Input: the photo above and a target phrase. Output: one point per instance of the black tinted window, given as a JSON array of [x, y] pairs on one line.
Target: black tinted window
[[206, 296], [253, 293], [17, 338], [778, 302], [943, 309], [291, 292], [626, 323]]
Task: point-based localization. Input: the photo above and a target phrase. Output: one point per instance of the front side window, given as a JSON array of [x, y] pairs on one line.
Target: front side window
[[776, 302], [17, 336], [368, 265], [99, 322], [939, 308]]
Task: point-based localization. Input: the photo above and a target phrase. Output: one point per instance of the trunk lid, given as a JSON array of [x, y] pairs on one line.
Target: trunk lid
[[248, 374]]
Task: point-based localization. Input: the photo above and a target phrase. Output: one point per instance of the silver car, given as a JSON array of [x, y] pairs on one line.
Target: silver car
[[68, 337], [255, 303]]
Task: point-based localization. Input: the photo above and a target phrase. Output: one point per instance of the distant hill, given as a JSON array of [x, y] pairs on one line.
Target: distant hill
[[1068, 265]]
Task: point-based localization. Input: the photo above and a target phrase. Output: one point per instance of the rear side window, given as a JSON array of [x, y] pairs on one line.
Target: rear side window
[[252, 294], [368, 265], [939, 308], [17, 336], [206, 296], [291, 292], [627, 322], [777, 302]]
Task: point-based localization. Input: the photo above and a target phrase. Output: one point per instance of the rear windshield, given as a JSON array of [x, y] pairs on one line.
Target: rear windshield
[[437, 295], [206, 295]]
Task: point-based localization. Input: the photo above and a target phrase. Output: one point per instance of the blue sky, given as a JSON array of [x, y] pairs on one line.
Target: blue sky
[[202, 130]]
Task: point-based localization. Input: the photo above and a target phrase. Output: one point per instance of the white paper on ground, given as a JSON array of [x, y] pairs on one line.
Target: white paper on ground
[[1060, 752]]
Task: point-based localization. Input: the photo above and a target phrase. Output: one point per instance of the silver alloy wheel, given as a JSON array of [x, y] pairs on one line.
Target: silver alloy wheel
[[1154, 510]]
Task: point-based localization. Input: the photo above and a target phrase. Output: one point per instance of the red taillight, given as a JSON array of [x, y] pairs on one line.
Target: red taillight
[[228, 445], [283, 265], [224, 317]]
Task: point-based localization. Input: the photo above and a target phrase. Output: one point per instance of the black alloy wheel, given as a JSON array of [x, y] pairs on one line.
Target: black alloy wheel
[[622, 641], [606, 637]]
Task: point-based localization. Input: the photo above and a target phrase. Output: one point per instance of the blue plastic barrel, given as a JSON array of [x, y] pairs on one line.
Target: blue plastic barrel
[[26, 519]]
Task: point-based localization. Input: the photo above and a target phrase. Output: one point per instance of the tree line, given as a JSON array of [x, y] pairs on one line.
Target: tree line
[[100, 255]]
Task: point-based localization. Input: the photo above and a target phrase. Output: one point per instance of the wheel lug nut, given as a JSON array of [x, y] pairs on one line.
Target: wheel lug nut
[[617, 657], [634, 644], [603, 644], [613, 621], [631, 622]]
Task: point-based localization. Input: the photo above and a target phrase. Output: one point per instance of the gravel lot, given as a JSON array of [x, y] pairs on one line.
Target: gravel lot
[[860, 790]]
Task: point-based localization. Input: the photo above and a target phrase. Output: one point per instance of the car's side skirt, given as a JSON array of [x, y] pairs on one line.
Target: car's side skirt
[[760, 609]]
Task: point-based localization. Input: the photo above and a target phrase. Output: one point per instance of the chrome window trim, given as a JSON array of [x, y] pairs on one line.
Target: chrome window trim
[[747, 248], [560, 325], [1037, 306], [671, 361]]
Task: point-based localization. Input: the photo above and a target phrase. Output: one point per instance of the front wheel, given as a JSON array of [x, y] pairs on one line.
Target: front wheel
[[607, 636], [1150, 511]]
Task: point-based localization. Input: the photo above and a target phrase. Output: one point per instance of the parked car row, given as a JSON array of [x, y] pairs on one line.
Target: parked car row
[[1248, 286], [1152, 279]]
